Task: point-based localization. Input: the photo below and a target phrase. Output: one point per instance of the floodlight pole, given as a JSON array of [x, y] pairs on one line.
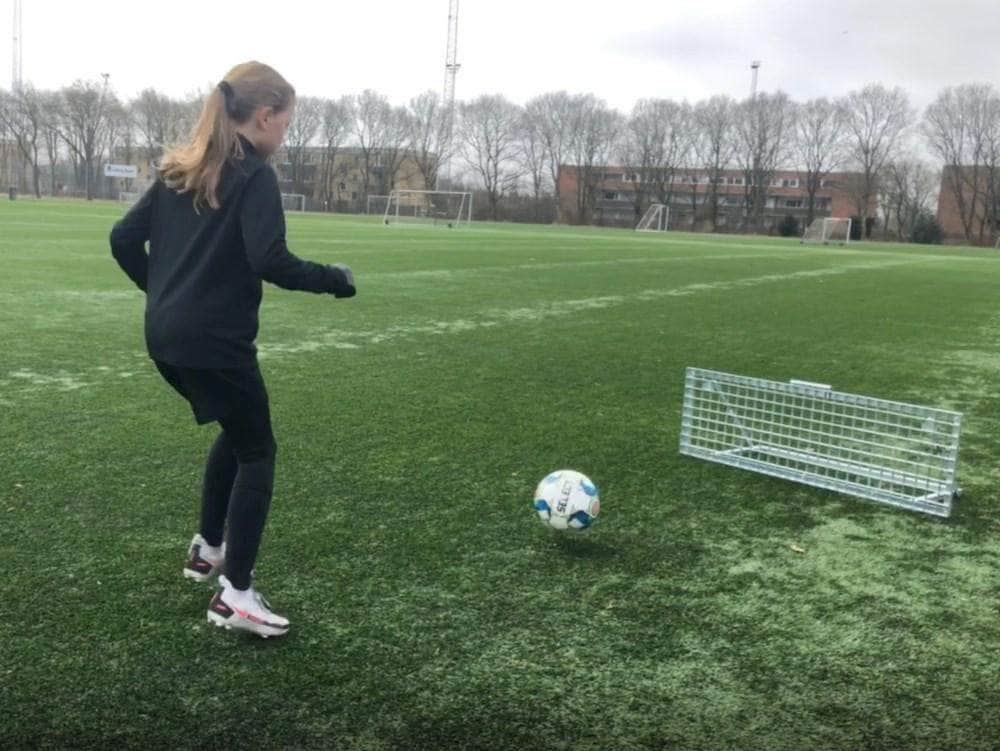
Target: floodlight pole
[[16, 87], [755, 67], [451, 67], [17, 68]]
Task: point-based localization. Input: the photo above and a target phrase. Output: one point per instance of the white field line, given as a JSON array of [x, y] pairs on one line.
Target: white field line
[[550, 265], [24, 381], [489, 318], [129, 293]]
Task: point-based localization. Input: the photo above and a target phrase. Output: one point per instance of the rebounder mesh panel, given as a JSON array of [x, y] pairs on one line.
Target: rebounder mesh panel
[[900, 454]]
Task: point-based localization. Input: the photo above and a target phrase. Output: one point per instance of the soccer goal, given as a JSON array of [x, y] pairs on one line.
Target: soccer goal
[[903, 455], [128, 196], [450, 207], [293, 202], [376, 205], [828, 230], [656, 219]]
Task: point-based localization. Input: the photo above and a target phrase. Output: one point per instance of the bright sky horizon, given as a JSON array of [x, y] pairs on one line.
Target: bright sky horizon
[[520, 48]]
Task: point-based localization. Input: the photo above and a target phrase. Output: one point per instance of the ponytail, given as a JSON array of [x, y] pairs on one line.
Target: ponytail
[[197, 166]]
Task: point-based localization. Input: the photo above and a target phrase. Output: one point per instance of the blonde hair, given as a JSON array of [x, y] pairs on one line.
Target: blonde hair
[[197, 165]]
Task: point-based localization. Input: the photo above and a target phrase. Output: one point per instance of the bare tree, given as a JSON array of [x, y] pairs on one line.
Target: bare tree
[[762, 126], [83, 129], [992, 213], [714, 147], [51, 104], [656, 141], [372, 120], [533, 155], [908, 193], [489, 129], [160, 122], [958, 126], [120, 143], [301, 132], [595, 138], [392, 157], [23, 118], [335, 126], [875, 120], [428, 135], [818, 145], [554, 116]]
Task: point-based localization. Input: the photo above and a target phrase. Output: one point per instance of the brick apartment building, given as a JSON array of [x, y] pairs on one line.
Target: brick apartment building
[[614, 200], [981, 206]]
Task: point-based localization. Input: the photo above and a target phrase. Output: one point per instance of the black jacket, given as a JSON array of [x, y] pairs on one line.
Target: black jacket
[[202, 275]]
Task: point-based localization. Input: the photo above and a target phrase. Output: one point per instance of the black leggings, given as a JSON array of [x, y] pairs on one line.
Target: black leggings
[[239, 473], [236, 495]]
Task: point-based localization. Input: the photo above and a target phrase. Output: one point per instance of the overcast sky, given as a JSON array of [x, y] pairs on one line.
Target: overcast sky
[[620, 51]]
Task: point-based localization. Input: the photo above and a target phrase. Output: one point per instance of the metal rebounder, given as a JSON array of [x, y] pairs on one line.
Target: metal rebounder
[[899, 454]]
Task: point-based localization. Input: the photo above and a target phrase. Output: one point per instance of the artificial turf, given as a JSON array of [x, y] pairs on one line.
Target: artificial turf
[[430, 608]]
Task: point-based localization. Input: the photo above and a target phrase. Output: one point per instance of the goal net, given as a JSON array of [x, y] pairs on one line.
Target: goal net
[[828, 230], [448, 207], [900, 454], [655, 219], [293, 202], [376, 205]]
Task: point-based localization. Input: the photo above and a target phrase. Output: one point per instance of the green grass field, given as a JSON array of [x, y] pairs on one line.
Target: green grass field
[[430, 608]]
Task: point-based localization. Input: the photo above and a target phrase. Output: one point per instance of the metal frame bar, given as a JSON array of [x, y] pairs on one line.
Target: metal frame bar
[[900, 454]]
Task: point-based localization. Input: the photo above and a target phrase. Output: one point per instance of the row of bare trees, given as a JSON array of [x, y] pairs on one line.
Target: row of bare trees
[[504, 149]]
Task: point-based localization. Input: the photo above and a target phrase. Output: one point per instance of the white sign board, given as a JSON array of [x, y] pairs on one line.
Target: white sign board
[[121, 170]]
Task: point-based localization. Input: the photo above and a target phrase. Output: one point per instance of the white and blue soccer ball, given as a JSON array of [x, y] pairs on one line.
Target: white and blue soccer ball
[[567, 499]]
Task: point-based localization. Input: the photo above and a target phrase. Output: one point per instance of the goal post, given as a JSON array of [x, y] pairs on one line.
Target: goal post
[[828, 230], [656, 219], [450, 207], [293, 202]]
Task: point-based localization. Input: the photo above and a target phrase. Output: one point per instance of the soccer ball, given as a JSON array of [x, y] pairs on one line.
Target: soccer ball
[[567, 499]]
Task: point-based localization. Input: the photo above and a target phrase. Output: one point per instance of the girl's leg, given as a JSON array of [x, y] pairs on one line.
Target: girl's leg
[[250, 500], [220, 473]]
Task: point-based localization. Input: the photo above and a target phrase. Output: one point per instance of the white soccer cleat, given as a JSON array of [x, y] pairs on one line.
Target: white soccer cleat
[[246, 610], [203, 561]]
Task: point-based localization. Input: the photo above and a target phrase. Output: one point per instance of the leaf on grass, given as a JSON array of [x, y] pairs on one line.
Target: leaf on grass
[[796, 549]]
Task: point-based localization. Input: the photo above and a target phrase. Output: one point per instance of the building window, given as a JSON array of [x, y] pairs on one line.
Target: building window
[[611, 195], [793, 203], [790, 183]]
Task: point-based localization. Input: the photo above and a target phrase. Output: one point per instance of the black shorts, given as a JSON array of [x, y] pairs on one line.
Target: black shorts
[[234, 397]]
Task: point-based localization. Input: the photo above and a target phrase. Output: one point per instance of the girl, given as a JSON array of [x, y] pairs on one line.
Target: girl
[[216, 229]]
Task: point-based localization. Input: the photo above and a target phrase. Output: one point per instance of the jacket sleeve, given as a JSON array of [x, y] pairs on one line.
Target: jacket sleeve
[[262, 223], [129, 237]]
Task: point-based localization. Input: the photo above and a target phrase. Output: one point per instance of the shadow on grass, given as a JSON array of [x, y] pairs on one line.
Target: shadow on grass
[[585, 547]]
